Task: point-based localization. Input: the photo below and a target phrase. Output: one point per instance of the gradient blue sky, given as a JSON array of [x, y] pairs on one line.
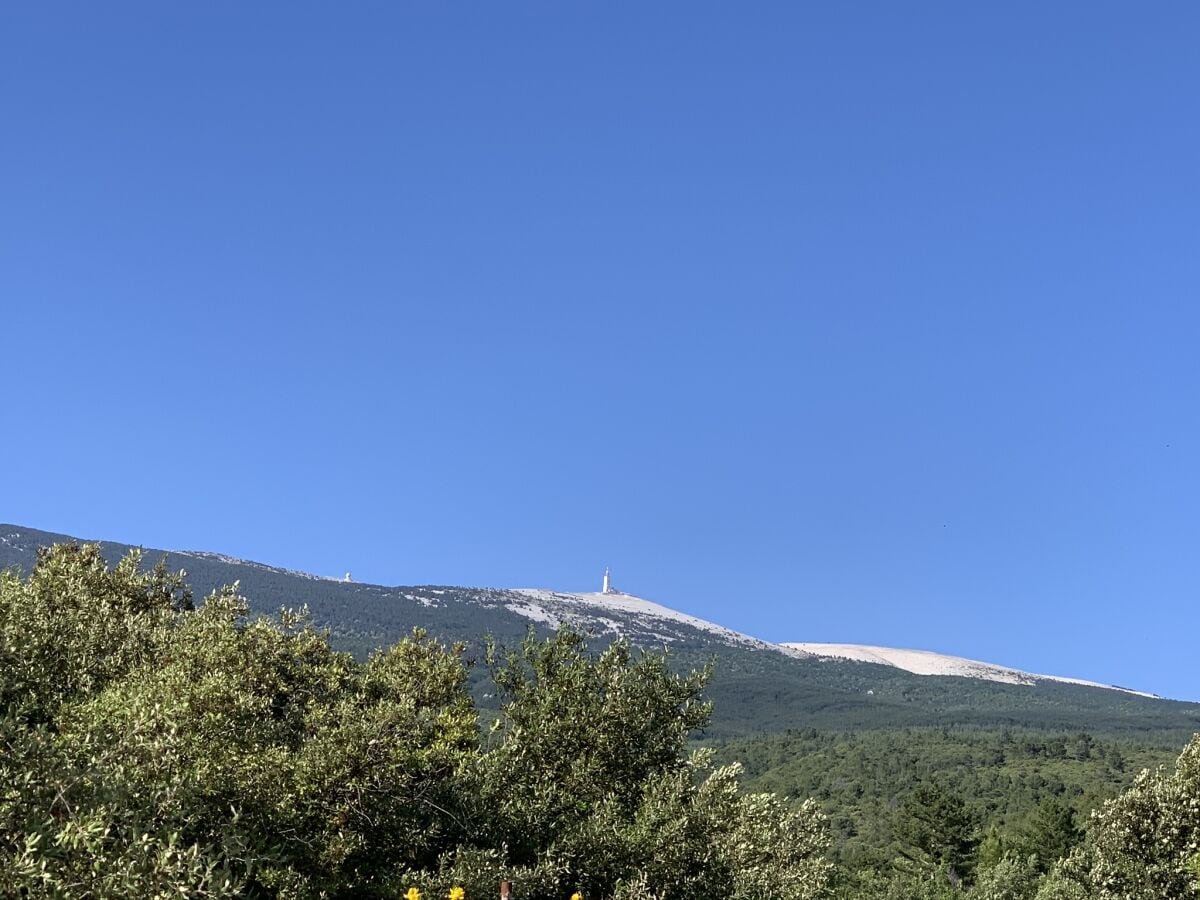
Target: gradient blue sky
[[830, 322]]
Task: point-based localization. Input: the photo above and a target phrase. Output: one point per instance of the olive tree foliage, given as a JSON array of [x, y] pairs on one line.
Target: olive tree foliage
[[1143, 845], [152, 748], [195, 753], [1010, 877], [581, 745], [75, 625], [584, 783]]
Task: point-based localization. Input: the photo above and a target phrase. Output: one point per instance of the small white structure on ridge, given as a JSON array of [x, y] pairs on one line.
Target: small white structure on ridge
[[347, 578], [608, 588]]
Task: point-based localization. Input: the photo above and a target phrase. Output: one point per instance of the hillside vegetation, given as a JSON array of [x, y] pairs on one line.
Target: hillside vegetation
[[755, 690], [155, 749], [150, 747], [1005, 777]]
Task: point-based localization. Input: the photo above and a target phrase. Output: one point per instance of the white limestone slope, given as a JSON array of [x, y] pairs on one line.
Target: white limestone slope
[[618, 613], [925, 662], [644, 621]]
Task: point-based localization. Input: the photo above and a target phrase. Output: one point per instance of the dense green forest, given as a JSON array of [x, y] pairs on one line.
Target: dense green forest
[[152, 746], [1005, 777]]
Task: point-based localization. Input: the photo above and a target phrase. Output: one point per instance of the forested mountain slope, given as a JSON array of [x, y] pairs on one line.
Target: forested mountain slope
[[1004, 775]]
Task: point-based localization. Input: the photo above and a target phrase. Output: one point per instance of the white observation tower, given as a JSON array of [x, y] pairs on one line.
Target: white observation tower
[[608, 588]]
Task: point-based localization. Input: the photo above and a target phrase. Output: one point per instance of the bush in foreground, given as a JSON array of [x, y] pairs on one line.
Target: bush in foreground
[[152, 749]]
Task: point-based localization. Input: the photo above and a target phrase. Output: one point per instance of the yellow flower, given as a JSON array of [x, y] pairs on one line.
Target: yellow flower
[[577, 896], [457, 893], [413, 894]]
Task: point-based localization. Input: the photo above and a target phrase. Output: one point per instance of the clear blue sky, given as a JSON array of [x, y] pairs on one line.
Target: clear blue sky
[[830, 322]]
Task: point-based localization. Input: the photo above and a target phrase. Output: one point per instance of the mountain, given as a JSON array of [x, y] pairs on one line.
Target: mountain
[[649, 623], [757, 686], [623, 615]]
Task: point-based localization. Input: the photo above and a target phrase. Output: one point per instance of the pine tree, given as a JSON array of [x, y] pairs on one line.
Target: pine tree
[[1051, 833], [937, 831]]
